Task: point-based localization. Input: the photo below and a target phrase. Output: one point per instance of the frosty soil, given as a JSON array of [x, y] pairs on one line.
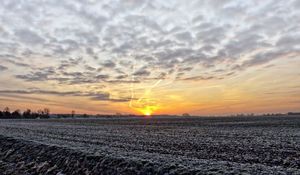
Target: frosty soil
[[216, 145]]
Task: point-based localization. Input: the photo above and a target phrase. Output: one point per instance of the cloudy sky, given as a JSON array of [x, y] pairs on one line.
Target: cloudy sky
[[203, 57]]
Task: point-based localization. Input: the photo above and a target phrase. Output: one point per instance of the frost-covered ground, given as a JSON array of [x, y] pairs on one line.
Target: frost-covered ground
[[254, 145]]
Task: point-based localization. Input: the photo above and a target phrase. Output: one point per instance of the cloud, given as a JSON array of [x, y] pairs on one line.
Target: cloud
[[212, 35], [199, 78], [142, 72], [71, 93], [89, 68], [37, 76], [261, 59], [18, 98], [71, 62], [96, 96], [119, 77], [244, 44], [102, 77], [158, 37], [3, 68], [16, 63], [123, 81], [29, 37], [296, 4], [109, 64], [90, 51], [184, 36], [106, 97], [64, 77], [185, 69], [288, 42]]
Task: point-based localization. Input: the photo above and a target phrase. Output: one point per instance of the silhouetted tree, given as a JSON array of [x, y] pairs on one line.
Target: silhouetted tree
[[16, 114], [185, 115], [27, 113], [40, 112], [6, 112], [6, 109], [73, 113], [46, 112]]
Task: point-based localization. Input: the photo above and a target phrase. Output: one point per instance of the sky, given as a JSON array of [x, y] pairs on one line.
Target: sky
[[202, 57]]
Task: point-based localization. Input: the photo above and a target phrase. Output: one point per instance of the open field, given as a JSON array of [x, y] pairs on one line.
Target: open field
[[173, 145]]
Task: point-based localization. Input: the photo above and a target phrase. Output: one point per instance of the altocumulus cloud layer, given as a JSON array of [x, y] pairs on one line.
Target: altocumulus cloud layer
[[98, 49]]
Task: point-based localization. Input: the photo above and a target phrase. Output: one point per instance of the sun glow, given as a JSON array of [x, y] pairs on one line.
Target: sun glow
[[147, 111], [145, 104]]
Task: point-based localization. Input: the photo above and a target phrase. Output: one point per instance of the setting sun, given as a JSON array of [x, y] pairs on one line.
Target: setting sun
[[147, 111], [147, 114]]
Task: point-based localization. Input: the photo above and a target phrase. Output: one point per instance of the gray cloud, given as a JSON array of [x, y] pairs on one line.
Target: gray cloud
[[184, 36], [73, 93], [17, 63], [123, 81], [61, 74], [72, 62], [96, 96], [296, 4], [89, 68], [142, 72], [3, 68], [80, 39], [29, 36], [288, 42], [185, 69], [121, 77], [199, 78], [262, 59], [109, 64]]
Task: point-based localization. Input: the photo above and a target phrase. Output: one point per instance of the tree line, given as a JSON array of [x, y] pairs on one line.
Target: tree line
[[27, 114]]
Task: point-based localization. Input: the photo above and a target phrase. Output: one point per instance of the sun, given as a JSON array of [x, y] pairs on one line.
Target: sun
[[144, 107], [147, 110], [147, 113]]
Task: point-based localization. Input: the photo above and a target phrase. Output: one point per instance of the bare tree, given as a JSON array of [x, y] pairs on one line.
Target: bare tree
[[27, 113], [6, 112], [46, 112], [6, 109], [73, 113], [40, 112], [16, 113]]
